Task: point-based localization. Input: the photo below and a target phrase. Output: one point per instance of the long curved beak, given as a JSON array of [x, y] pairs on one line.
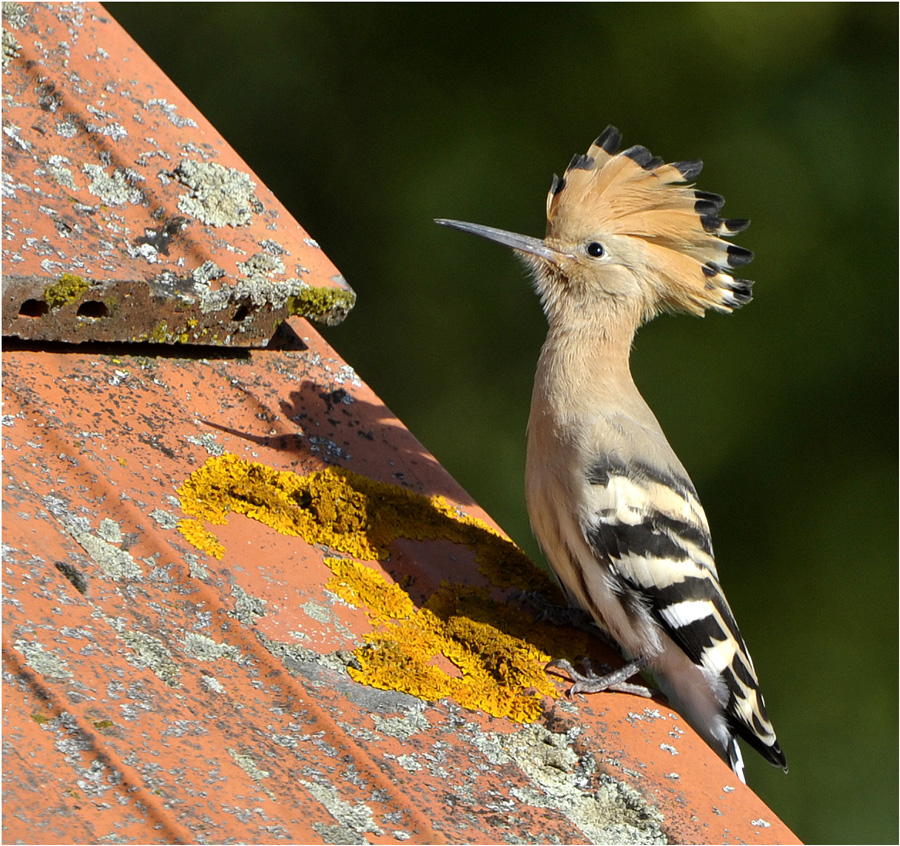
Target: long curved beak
[[522, 243]]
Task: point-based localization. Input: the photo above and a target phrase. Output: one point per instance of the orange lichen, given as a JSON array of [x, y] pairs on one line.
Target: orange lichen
[[497, 652]]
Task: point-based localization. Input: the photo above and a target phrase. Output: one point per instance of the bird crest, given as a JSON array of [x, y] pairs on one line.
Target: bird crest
[[678, 228]]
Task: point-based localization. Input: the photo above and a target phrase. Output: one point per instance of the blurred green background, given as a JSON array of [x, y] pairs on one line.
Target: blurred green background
[[370, 120]]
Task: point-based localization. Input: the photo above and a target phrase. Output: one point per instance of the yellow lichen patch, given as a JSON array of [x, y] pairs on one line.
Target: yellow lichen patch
[[500, 669], [66, 289], [324, 305], [158, 334], [496, 651], [360, 585], [349, 513], [198, 536], [323, 508]]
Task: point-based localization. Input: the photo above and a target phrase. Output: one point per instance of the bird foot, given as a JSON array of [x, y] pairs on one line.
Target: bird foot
[[590, 682]]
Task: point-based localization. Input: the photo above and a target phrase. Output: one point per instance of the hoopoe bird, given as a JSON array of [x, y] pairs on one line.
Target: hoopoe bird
[[611, 505]]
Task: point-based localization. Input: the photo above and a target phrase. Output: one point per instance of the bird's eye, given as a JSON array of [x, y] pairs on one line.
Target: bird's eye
[[595, 249]]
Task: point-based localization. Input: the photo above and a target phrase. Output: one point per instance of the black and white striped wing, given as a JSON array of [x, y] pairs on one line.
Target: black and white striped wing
[[651, 528]]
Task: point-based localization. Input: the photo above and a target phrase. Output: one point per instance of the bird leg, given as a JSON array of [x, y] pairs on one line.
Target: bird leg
[[590, 682], [561, 615]]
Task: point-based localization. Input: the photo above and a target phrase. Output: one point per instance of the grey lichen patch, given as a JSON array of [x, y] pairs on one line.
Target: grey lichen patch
[[45, 663], [115, 563], [66, 127], [261, 265], [96, 779], [11, 131], [273, 248], [114, 190], [318, 612], [207, 441], [567, 782], [164, 519], [650, 714], [247, 608], [14, 15], [170, 111], [219, 196], [110, 531], [409, 763], [667, 747], [310, 664], [147, 652], [212, 684], [204, 648], [248, 765], [207, 271], [195, 568], [257, 292], [293, 655], [56, 168], [11, 46], [347, 375], [402, 727], [354, 821]]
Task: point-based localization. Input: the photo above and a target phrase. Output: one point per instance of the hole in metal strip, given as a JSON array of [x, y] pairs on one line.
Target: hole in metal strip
[[92, 308], [33, 308]]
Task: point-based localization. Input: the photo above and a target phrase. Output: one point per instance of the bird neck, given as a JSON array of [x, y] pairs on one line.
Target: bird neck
[[584, 365], [593, 337]]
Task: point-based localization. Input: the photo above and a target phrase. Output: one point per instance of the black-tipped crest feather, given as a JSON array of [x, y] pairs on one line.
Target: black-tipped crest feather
[[690, 170], [636, 194], [609, 140], [581, 162]]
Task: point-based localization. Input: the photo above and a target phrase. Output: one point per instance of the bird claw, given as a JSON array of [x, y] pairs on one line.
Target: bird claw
[[590, 682]]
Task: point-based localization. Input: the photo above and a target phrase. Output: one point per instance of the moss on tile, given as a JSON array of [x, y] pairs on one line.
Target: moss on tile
[[496, 653]]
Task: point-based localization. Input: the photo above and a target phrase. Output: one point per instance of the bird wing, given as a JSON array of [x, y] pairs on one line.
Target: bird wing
[[649, 525]]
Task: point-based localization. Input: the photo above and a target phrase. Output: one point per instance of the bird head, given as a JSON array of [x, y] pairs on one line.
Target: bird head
[[626, 230]]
